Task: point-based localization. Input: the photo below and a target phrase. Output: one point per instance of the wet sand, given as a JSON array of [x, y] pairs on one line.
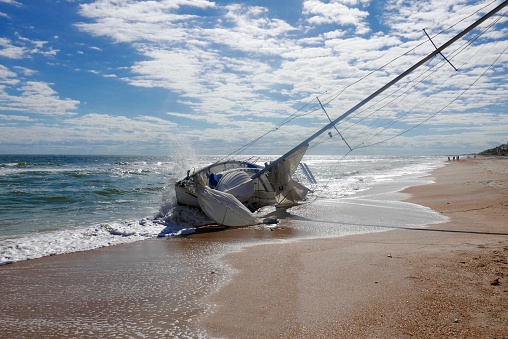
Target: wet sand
[[150, 288], [430, 282], [434, 282]]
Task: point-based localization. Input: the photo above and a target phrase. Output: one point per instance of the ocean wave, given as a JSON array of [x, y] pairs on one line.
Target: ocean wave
[[178, 221]]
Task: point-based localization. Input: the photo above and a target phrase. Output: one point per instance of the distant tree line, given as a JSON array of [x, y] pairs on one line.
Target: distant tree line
[[499, 150]]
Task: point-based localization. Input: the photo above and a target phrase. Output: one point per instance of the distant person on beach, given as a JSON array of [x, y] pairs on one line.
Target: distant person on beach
[[457, 158], [453, 158]]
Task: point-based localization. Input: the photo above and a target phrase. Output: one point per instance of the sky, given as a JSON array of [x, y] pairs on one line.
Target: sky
[[173, 77]]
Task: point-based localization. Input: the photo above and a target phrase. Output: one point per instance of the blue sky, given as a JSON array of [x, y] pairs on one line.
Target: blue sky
[[172, 76]]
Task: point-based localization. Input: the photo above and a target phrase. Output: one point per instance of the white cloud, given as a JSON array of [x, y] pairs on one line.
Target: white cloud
[[8, 50], [6, 75], [199, 61], [409, 18], [16, 117], [104, 123], [25, 71], [24, 48], [11, 2], [93, 132], [31, 96], [336, 12], [176, 70], [127, 21]]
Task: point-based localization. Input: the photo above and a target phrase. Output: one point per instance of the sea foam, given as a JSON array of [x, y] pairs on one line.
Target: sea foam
[[44, 244]]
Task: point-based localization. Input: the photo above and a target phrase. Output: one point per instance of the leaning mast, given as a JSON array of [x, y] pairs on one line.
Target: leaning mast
[[384, 88]]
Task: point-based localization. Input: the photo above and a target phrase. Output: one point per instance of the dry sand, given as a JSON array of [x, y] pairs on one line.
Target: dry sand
[[426, 283]]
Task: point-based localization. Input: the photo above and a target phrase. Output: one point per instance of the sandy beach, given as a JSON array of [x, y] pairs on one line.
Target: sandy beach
[[425, 283], [431, 282]]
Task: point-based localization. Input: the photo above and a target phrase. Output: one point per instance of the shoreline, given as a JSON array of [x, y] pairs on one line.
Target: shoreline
[[429, 282], [326, 287]]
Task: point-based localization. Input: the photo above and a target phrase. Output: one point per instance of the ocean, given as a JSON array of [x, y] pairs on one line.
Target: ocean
[[54, 204]]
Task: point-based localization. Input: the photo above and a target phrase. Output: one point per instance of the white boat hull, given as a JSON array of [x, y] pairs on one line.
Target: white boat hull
[[184, 197]]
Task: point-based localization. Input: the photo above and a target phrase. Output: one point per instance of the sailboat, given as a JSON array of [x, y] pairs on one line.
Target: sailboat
[[228, 192]]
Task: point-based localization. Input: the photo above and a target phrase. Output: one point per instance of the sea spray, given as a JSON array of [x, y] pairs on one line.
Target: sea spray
[[184, 158]]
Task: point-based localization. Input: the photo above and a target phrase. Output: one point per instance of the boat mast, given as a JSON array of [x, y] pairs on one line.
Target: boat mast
[[385, 87]]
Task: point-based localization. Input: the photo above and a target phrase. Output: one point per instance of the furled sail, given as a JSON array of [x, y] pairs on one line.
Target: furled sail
[[224, 208]]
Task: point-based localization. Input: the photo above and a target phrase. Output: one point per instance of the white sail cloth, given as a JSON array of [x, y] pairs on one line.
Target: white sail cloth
[[237, 183], [287, 190], [292, 193], [224, 208]]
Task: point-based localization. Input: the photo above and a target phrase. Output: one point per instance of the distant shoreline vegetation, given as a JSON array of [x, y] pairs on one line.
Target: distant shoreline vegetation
[[499, 150]]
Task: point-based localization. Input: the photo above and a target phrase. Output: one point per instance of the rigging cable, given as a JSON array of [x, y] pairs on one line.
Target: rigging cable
[[334, 96], [390, 124], [441, 85], [433, 115]]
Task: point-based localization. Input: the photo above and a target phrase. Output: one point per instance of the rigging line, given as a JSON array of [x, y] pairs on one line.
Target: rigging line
[[349, 118], [423, 100], [375, 70], [294, 116], [481, 47], [477, 35], [333, 125], [316, 107], [324, 140], [320, 194], [370, 73], [396, 58], [439, 52], [440, 64], [359, 112], [466, 17], [430, 72], [384, 116], [373, 134], [332, 98], [391, 101], [458, 51], [390, 124], [444, 30], [439, 111], [433, 115], [465, 45], [238, 150], [423, 42], [276, 128]]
